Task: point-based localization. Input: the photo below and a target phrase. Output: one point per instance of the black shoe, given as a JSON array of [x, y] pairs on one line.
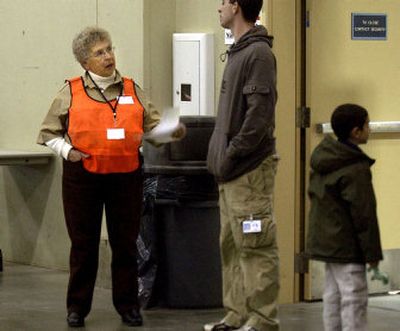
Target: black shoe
[[75, 320], [132, 318]]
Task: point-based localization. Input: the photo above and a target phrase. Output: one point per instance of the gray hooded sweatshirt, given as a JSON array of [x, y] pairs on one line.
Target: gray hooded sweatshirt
[[244, 130]]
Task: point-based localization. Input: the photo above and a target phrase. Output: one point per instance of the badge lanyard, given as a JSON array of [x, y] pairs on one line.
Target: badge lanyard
[[113, 108]]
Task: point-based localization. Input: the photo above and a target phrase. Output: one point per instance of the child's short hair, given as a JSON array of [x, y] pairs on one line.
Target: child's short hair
[[347, 117]]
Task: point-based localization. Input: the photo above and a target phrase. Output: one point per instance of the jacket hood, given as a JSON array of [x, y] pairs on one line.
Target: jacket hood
[[331, 155], [257, 33]]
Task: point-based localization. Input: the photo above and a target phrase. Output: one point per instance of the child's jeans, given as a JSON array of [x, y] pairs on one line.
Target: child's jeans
[[345, 297]]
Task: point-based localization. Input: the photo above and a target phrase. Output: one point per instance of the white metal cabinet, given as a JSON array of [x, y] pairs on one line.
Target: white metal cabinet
[[193, 73]]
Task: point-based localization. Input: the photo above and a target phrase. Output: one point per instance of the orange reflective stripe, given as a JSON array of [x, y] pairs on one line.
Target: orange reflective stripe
[[88, 123]]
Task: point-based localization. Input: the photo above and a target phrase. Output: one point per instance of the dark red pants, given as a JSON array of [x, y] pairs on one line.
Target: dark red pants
[[84, 196]]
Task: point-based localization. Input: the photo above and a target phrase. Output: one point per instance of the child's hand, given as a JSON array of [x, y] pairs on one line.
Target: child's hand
[[373, 265], [378, 275]]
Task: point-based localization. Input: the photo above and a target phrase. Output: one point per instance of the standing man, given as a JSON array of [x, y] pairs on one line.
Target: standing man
[[243, 159]]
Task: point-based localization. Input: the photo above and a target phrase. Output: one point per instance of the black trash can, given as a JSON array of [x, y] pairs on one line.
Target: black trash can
[[187, 219], [189, 265], [187, 156]]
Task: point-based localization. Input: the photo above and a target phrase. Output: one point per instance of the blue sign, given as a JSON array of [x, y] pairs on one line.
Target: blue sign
[[368, 26]]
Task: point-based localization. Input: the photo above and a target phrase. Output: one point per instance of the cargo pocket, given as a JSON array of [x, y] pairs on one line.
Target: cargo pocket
[[265, 238]]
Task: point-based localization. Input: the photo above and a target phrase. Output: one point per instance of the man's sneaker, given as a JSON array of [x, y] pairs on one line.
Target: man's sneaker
[[218, 326], [247, 328]]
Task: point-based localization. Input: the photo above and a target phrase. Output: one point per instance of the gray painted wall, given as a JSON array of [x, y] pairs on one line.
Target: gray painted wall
[[37, 58]]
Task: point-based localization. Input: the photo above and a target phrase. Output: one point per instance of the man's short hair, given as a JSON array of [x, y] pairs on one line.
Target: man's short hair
[[347, 117], [250, 8]]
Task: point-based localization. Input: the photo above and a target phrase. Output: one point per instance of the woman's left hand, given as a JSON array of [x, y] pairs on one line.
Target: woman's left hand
[[180, 132]]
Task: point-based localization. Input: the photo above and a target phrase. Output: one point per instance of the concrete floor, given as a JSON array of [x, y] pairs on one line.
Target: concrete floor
[[33, 299]]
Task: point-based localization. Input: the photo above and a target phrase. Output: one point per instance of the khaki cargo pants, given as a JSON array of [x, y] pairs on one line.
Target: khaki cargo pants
[[250, 263]]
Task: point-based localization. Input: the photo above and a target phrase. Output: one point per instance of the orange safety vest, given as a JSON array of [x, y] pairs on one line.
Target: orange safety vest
[[90, 120]]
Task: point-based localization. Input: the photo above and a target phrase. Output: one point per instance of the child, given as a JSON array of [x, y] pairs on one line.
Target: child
[[343, 228]]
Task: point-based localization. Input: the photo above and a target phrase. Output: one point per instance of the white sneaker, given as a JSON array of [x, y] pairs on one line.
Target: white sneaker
[[247, 328], [218, 326]]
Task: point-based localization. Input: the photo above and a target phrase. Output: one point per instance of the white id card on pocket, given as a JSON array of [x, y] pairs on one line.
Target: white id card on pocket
[[116, 134], [251, 226]]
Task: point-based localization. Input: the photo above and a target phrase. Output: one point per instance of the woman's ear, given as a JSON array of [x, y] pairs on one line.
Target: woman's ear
[[84, 65]]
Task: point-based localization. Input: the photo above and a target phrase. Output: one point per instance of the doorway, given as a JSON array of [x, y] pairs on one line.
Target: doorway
[[340, 68]]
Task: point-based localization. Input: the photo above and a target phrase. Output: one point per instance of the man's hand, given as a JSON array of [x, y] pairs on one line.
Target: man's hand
[[74, 155]]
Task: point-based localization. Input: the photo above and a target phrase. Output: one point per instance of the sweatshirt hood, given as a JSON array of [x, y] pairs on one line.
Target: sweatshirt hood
[[331, 155], [257, 33]]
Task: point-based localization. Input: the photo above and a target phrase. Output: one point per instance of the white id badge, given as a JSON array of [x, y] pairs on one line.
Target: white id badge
[[125, 100], [116, 134], [251, 226]]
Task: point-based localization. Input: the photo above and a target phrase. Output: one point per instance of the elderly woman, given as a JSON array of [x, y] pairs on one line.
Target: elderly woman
[[95, 124]]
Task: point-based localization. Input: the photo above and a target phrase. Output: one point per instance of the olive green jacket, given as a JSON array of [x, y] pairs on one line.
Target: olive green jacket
[[343, 225]]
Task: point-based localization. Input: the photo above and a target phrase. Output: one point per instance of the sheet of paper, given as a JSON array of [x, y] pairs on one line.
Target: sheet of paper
[[162, 133]]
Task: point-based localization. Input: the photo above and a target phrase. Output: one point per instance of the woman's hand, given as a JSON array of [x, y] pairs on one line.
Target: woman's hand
[[180, 132], [74, 155]]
